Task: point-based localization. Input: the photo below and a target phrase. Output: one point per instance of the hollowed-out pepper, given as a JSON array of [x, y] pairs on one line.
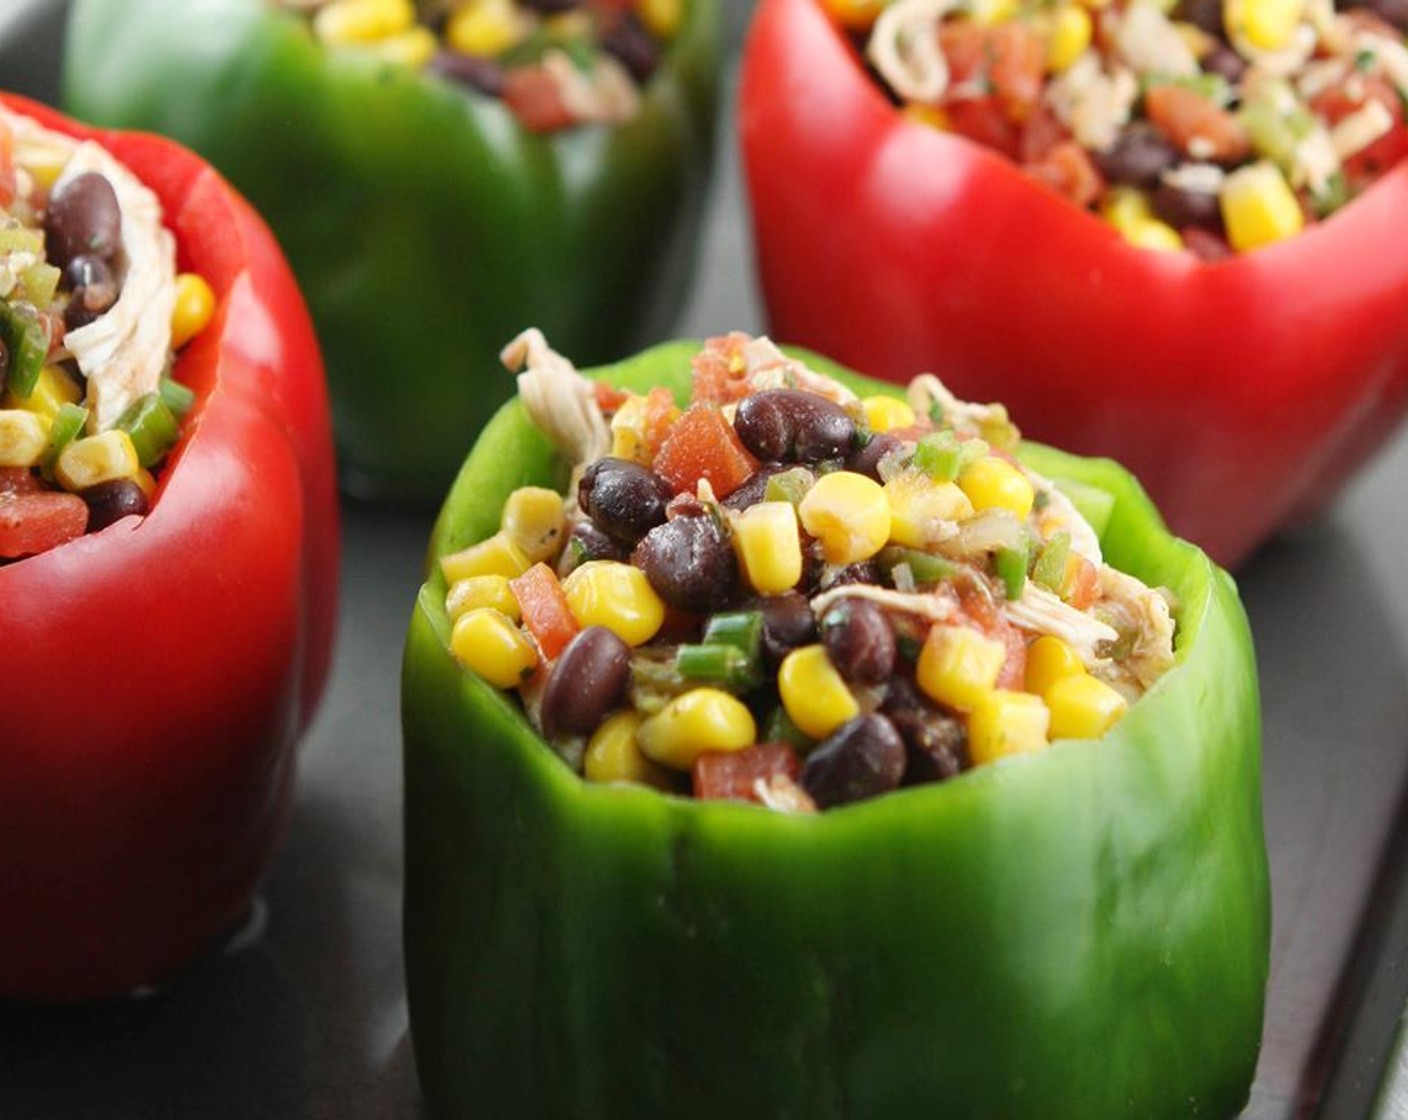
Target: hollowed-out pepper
[[158, 672], [424, 223], [1082, 933], [1243, 394]]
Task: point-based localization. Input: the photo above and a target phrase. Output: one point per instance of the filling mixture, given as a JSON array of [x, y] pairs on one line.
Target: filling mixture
[[91, 309], [554, 63], [788, 595], [1215, 127]]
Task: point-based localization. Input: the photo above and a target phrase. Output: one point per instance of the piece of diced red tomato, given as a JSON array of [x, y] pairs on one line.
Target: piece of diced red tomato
[[535, 97], [703, 444], [544, 609], [1069, 171], [719, 372], [35, 521], [732, 775]]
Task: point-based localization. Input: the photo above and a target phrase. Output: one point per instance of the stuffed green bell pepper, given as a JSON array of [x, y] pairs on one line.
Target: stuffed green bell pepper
[[438, 174], [777, 746]]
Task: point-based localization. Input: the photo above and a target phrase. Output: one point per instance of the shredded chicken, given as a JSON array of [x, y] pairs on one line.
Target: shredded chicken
[[936, 608], [781, 793], [1146, 611], [1195, 178], [1148, 43], [1360, 129], [1041, 612], [561, 402], [1315, 162], [1391, 54], [605, 95], [1060, 515], [767, 367], [904, 48], [1094, 105], [926, 390]]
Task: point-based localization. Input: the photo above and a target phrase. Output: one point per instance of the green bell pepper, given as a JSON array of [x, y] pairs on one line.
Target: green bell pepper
[[1081, 933], [424, 223]]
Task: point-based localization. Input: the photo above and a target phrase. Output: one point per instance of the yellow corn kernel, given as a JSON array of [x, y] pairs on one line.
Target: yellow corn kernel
[[958, 666], [478, 592], [614, 755], [1153, 234], [412, 49], [769, 549], [496, 556], [884, 412], [564, 26], [1126, 206], [54, 389], [534, 520], [1259, 207], [848, 514], [994, 483], [920, 508], [662, 18], [628, 431], [485, 28], [1083, 707], [813, 694], [487, 642], [24, 437], [700, 720], [931, 115], [1071, 32], [195, 304], [1049, 659], [93, 459], [993, 12], [855, 15], [1195, 38], [144, 479], [617, 596], [1006, 723], [1266, 24], [346, 22]]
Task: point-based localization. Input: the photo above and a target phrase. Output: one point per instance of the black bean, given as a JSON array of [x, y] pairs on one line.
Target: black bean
[[755, 487], [1390, 11], [482, 74], [935, 742], [1139, 156], [94, 290], [788, 623], [111, 501], [623, 498], [587, 542], [864, 758], [1204, 14], [83, 217], [826, 576], [627, 40], [589, 679], [866, 460], [1223, 60], [690, 564], [551, 7], [859, 641], [1180, 208], [790, 426]]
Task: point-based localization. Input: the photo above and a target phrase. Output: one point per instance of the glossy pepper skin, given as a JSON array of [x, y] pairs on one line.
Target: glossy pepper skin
[[424, 224], [159, 672], [1242, 394], [1082, 933]]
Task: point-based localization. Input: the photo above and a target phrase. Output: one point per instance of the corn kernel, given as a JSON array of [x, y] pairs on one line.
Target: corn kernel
[[143, 478], [487, 642], [883, 413], [54, 389], [1071, 32], [93, 459], [485, 28], [662, 18], [1259, 207], [855, 15], [1005, 724], [959, 666], [1126, 206], [1049, 659], [413, 48], [931, 115], [700, 720], [24, 437], [478, 592], [628, 427], [813, 694], [994, 483], [346, 22], [920, 508], [617, 596], [848, 514], [496, 556], [195, 304], [614, 755], [769, 549], [992, 12], [1153, 234], [534, 520], [1266, 24], [1083, 707]]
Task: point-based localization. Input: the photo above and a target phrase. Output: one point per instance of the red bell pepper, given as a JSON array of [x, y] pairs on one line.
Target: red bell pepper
[[158, 673], [1242, 393]]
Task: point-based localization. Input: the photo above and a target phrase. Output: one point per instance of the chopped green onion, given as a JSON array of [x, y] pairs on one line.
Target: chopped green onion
[[27, 341], [779, 728], [40, 282], [152, 426], [177, 397], [743, 630], [68, 423], [1049, 570], [789, 485], [925, 567], [18, 239], [723, 665]]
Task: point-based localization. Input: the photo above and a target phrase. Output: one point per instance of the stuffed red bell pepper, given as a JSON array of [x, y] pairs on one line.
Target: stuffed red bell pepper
[[1157, 233], [168, 553]]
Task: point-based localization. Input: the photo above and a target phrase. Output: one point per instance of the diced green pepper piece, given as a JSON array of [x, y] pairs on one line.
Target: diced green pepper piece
[[925, 567], [68, 424], [939, 455], [18, 239], [779, 728], [178, 398], [789, 485], [1049, 570], [40, 282], [1010, 564], [27, 343], [153, 427]]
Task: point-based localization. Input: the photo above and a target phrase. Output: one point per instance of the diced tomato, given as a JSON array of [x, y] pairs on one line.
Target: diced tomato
[[984, 121], [1018, 67], [536, 99], [703, 444], [608, 397], [35, 521], [719, 371], [1205, 245], [1197, 125], [1041, 131], [732, 775], [1082, 585], [978, 609], [9, 185], [1345, 98], [965, 49], [661, 412], [1069, 171], [544, 609], [18, 480]]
